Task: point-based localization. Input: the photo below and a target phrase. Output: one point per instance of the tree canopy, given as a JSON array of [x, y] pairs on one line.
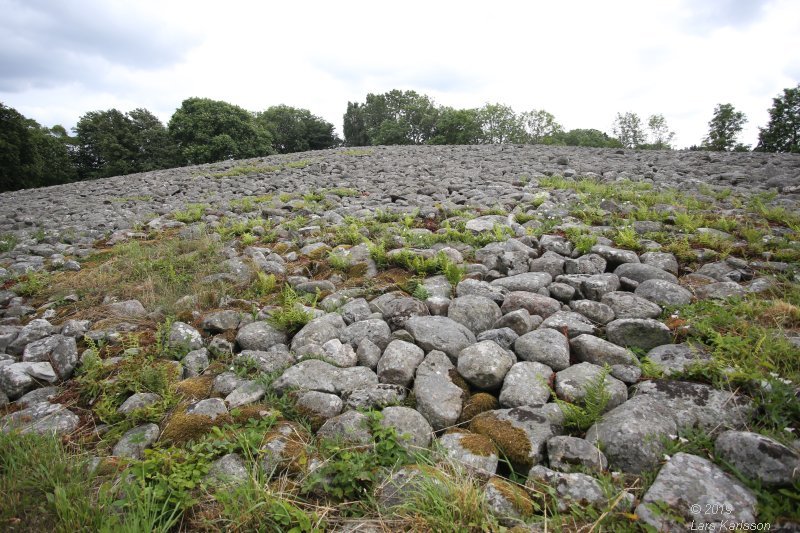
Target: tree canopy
[[782, 133], [296, 130], [208, 130], [628, 129], [723, 128]]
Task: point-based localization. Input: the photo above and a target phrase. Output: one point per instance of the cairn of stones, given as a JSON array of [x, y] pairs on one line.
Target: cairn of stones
[[480, 366]]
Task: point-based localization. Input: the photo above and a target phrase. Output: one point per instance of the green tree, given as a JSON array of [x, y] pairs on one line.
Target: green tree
[[208, 130], [105, 144], [628, 129], [500, 124], [354, 126], [31, 155], [539, 124], [660, 133], [782, 133], [296, 130], [154, 147], [456, 126], [723, 128], [583, 137]]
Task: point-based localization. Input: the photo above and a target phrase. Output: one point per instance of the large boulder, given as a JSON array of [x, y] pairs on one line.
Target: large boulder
[[440, 333], [476, 313], [546, 346], [485, 364]]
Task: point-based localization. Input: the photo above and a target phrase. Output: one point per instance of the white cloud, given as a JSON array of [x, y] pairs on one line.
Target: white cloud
[[584, 61]]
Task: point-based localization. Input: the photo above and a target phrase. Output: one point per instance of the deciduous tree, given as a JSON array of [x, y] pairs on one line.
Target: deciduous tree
[[723, 128], [628, 129], [782, 133]]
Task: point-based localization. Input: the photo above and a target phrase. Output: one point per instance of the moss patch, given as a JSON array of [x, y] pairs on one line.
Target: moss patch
[[515, 495], [478, 444], [458, 381], [197, 388], [182, 428], [254, 411], [512, 442], [477, 404]]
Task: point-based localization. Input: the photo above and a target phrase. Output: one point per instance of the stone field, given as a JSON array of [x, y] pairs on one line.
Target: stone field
[[543, 338]]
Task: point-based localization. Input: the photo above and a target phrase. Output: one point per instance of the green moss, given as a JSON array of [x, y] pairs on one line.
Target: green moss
[[197, 388], [515, 495], [182, 427], [478, 444], [459, 381], [512, 442], [253, 411], [477, 404]]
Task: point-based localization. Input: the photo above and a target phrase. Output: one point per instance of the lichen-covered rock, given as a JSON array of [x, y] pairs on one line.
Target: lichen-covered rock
[[527, 383], [547, 346], [565, 453], [245, 393], [509, 503], [284, 449], [571, 384], [642, 333], [139, 400], [134, 442], [597, 285], [373, 329], [230, 469], [267, 361], [438, 399], [672, 358], [43, 418], [474, 451], [350, 426], [629, 305], [529, 282], [690, 491], [485, 364], [759, 457], [476, 313], [469, 287], [533, 303], [221, 321], [520, 321], [260, 336], [375, 396], [571, 488], [318, 406], [397, 311], [399, 362], [440, 333], [318, 331], [412, 428], [573, 324], [597, 312], [32, 331], [632, 434], [184, 338], [641, 272], [368, 354], [663, 292], [195, 362]]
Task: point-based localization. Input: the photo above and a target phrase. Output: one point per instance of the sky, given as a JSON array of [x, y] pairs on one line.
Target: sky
[[582, 60]]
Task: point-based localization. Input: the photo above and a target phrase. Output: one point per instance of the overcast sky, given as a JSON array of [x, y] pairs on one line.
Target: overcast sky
[[583, 61]]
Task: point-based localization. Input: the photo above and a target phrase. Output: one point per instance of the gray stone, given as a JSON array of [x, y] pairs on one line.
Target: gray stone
[[32, 331], [246, 393], [698, 405], [472, 287], [128, 309], [759, 457], [632, 435], [546, 346], [461, 447], [15, 379], [265, 361], [321, 405], [75, 328], [504, 501], [597, 312], [318, 331], [642, 333], [663, 293], [314, 374], [397, 311], [42, 418], [413, 429], [485, 364], [440, 333], [615, 256], [195, 362], [184, 337], [399, 362], [350, 427], [505, 337], [228, 469], [210, 407], [134, 442], [565, 453], [226, 383], [573, 323], [529, 282], [641, 272], [585, 264], [687, 481], [591, 349], [519, 321], [527, 383], [476, 313], [60, 351], [439, 400], [562, 292], [556, 244], [571, 384], [375, 396], [720, 290], [373, 329], [672, 358], [571, 488], [341, 355], [368, 354], [355, 310], [549, 262], [662, 260], [595, 286], [628, 305], [139, 400], [45, 394], [535, 304], [221, 321], [259, 336]]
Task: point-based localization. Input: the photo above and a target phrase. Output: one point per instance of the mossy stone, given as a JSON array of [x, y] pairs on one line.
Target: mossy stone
[[512, 441], [477, 404]]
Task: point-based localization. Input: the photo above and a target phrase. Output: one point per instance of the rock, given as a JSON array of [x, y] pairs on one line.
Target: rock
[[571, 488], [641, 272], [573, 324], [135, 441], [504, 337], [597, 312], [662, 260], [210, 407], [628, 305], [440, 333], [663, 293], [562, 291], [341, 355], [60, 351], [74, 328], [720, 290], [373, 329], [549, 262], [246, 393], [591, 349], [632, 434], [529, 282], [32, 331], [527, 383], [350, 427], [195, 362], [259, 336], [565, 453], [546, 346], [485, 364], [585, 264], [314, 374], [509, 503], [128, 309], [399, 362], [318, 331], [555, 244], [375, 396], [228, 469], [642, 333], [571, 384], [284, 449], [476, 313], [368, 354], [15, 379], [687, 481], [615, 256], [519, 321], [43, 395], [472, 287], [698, 405], [319, 406], [355, 311], [597, 285], [139, 400], [397, 312], [226, 383], [265, 361], [41, 418], [439, 400], [412, 428], [520, 433], [485, 223], [672, 358], [221, 321], [184, 338], [404, 486], [535, 304], [474, 451], [759, 457]]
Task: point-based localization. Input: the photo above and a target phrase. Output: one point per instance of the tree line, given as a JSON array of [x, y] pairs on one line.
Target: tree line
[[109, 143]]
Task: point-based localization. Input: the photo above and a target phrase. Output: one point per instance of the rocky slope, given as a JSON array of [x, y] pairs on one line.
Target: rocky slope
[[547, 319]]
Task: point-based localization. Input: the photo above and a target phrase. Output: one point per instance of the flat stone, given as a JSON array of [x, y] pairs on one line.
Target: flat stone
[[664, 293], [375, 396], [373, 329], [573, 324], [641, 272], [629, 305], [529, 281], [350, 427], [41, 418], [565, 453], [139, 400], [399, 362], [642, 333], [440, 333], [597, 312], [475, 452], [571, 384], [413, 430], [259, 336], [673, 358], [759, 457]]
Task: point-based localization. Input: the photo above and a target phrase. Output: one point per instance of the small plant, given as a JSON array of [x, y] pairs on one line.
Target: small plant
[[342, 192], [313, 197], [243, 205], [626, 237], [7, 242], [248, 239], [263, 285], [291, 316], [32, 283], [581, 417], [192, 213], [337, 261]]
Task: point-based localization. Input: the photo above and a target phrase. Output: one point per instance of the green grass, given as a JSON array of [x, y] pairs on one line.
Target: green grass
[[192, 213], [7, 242]]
